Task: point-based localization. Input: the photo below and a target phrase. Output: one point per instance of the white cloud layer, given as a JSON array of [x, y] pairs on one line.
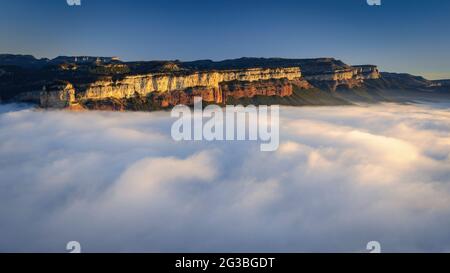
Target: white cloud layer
[[117, 182]]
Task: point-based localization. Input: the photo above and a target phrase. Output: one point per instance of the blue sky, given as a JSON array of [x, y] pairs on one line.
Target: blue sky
[[409, 36]]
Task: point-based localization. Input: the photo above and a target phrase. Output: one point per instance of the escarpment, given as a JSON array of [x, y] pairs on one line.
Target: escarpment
[[229, 90], [175, 81], [57, 95], [106, 83]]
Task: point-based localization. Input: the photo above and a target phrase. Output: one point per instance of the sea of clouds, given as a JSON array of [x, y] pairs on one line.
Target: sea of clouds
[[117, 182]]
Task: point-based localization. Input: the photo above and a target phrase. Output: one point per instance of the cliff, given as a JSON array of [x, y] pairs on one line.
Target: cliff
[[108, 83], [173, 81], [230, 90]]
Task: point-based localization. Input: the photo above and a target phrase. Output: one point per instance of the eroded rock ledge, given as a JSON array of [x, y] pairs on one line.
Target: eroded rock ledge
[[99, 82]]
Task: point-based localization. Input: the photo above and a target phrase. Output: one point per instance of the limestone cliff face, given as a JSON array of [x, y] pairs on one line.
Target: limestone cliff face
[[234, 89], [332, 76], [186, 97], [171, 88], [357, 72], [58, 96], [167, 89], [270, 88], [166, 82], [367, 72], [351, 77], [108, 83]]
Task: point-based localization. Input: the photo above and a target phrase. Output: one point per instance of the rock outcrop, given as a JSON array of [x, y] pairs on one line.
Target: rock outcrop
[[57, 95], [231, 89], [348, 77], [109, 84], [171, 81], [367, 72]]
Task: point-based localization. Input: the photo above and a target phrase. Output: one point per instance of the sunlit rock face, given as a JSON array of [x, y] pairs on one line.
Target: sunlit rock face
[[226, 90], [280, 88], [361, 72], [61, 95], [108, 83], [166, 82], [170, 89], [174, 87], [367, 72], [350, 77], [186, 97]]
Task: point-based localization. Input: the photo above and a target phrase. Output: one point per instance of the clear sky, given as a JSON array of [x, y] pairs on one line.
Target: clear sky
[[405, 36]]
